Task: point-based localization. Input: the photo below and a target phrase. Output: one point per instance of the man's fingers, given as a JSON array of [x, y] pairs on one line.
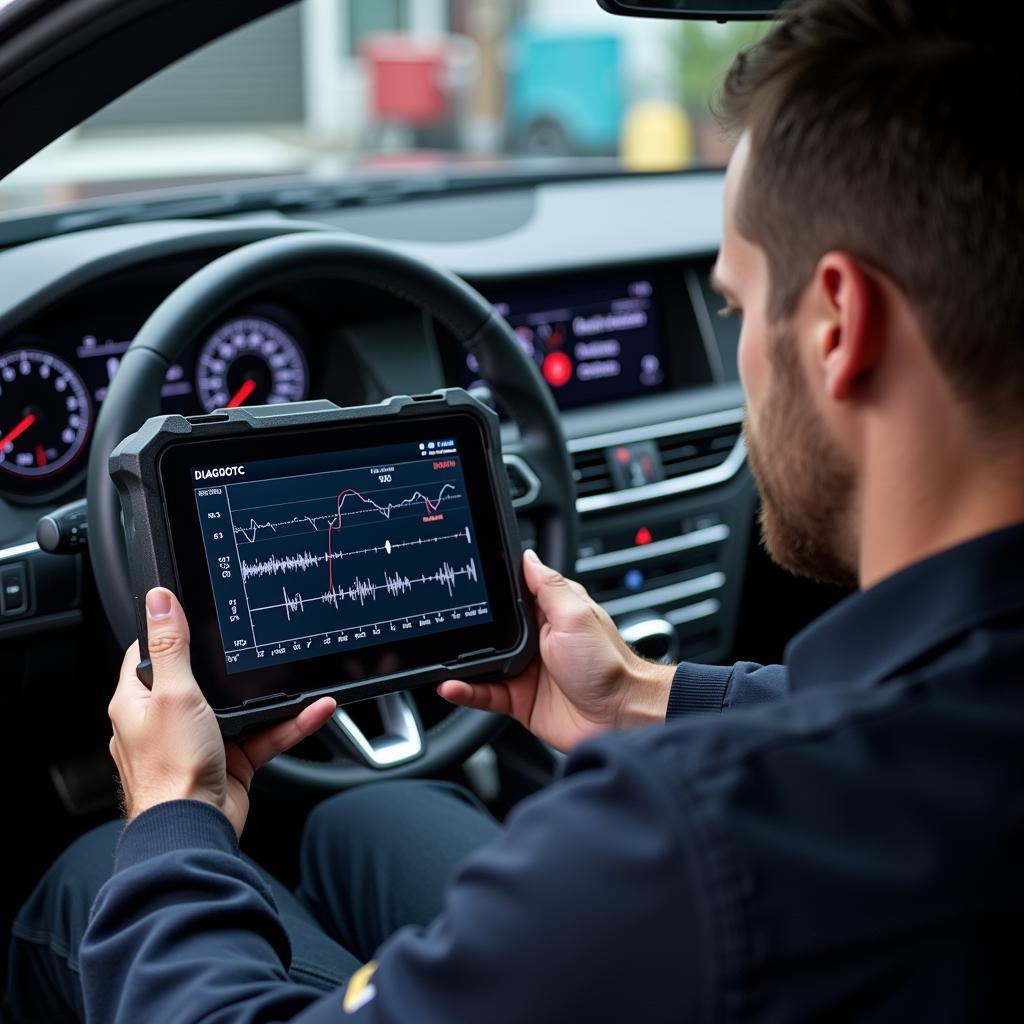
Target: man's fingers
[[266, 745], [129, 661], [168, 640], [484, 696], [558, 598], [130, 694], [128, 681]]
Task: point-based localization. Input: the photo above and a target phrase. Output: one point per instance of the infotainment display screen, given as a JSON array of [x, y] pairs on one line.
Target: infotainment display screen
[[594, 340], [349, 552]]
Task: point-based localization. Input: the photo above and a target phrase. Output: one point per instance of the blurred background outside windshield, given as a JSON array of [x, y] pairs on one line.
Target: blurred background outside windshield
[[325, 89]]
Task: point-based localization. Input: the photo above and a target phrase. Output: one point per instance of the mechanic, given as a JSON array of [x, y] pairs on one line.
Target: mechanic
[[846, 842]]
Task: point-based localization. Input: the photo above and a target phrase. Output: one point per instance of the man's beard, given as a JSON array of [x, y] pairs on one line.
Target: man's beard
[[805, 481]]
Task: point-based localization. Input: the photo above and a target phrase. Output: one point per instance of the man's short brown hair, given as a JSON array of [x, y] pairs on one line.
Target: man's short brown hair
[[893, 130]]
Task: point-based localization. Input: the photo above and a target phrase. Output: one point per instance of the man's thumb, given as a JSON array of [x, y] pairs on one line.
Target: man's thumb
[[550, 588], [168, 638]]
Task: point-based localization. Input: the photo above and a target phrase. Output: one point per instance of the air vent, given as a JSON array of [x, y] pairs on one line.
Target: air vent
[[693, 453], [590, 470], [682, 454]]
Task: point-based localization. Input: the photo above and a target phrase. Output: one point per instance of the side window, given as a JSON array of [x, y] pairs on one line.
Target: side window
[[217, 85]]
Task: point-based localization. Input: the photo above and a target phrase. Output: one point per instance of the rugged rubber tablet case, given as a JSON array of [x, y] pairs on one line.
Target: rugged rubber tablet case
[[134, 468]]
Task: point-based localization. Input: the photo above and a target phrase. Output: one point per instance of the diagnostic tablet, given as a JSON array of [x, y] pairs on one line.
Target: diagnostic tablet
[[319, 550]]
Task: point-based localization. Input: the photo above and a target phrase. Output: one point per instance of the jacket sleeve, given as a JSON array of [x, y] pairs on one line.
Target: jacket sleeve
[[185, 930], [702, 688], [586, 908]]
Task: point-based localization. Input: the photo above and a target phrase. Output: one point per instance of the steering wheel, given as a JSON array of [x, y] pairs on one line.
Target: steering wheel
[[540, 455]]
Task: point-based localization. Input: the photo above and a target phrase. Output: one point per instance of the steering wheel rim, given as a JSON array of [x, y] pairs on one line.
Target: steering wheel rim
[[134, 396]]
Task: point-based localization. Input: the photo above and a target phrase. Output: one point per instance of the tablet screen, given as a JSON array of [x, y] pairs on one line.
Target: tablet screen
[[348, 549]]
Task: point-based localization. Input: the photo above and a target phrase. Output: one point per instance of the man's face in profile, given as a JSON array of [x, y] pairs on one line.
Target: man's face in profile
[[805, 481]]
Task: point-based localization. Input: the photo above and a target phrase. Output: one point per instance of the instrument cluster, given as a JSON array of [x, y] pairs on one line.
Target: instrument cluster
[[52, 385]]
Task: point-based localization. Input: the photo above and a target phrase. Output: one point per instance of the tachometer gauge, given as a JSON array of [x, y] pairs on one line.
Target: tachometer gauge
[[44, 414], [250, 361]]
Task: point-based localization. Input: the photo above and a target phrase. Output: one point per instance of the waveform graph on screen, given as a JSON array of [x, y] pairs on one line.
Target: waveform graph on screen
[[345, 556]]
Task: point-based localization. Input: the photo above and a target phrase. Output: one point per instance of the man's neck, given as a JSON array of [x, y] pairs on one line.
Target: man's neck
[[913, 508]]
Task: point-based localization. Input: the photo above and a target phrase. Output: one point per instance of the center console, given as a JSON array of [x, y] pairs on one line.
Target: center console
[[646, 377], [666, 512]]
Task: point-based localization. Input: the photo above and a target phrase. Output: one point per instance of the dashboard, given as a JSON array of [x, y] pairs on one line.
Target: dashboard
[[596, 338], [49, 401], [604, 283], [55, 370]]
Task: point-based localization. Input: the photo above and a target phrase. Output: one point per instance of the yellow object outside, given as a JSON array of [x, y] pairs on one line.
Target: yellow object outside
[[656, 136]]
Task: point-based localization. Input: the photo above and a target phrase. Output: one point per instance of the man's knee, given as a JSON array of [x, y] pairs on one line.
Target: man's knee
[[42, 982], [379, 815], [73, 880], [365, 810]]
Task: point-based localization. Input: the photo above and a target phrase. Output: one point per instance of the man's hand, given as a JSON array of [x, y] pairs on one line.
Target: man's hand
[[167, 744], [586, 680]]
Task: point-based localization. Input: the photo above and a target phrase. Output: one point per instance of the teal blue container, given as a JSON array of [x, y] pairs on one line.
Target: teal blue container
[[565, 93]]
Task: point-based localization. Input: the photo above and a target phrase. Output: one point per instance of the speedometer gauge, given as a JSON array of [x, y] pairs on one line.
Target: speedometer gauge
[[250, 361], [44, 414]]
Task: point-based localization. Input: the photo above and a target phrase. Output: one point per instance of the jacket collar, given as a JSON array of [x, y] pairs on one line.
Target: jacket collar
[[871, 635]]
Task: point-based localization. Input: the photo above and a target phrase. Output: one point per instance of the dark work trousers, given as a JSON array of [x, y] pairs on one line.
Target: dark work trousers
[[372, 860]]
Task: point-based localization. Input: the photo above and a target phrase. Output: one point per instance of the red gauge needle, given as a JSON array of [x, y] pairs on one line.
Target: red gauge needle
[[21, 428], [242, 393]]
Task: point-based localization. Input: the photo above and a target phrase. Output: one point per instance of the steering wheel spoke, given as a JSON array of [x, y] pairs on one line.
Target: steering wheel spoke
[[550, 499], [547, 471], [401, 741], [524, 484]]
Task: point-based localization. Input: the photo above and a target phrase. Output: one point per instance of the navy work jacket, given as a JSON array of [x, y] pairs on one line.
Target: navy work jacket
[[845, 844]]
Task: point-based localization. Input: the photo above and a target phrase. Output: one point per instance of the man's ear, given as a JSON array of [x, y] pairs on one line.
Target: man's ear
[[848, 342]]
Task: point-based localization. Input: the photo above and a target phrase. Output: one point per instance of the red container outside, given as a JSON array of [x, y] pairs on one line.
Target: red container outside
[[409, 79]]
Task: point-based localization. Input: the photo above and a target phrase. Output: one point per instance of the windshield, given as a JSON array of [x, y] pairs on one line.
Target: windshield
[[325, 89]]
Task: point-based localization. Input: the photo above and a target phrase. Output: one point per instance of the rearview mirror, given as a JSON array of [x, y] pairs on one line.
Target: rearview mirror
[[706, 10]]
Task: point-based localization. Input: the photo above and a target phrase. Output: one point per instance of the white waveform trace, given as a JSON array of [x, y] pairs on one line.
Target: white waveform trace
[[363, 590], [334, 519], [302, 561]]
